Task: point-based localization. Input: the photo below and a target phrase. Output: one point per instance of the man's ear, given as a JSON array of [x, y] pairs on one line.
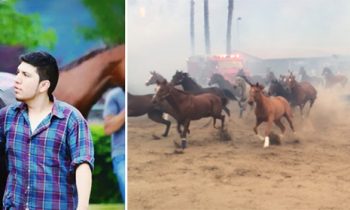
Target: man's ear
[[44, 85]]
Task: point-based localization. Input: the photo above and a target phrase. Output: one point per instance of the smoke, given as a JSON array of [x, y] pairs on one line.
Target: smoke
[[158, 32]]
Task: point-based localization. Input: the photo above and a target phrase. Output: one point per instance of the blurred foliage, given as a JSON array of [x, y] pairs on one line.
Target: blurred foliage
[[25, 30], [104, 183], [109, 16]]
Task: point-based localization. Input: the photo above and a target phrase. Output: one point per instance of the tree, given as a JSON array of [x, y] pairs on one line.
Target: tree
[[23, 30], [110, 21]]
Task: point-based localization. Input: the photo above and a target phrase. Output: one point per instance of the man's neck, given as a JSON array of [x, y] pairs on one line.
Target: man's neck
[[38, 109]]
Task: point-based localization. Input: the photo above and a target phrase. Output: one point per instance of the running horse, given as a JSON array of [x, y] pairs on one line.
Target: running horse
[[300, 93], [269, 109], [190, 107], [332, 79], [189, 85]]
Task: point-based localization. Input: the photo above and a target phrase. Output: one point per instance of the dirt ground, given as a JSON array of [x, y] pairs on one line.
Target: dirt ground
[[309, 170]]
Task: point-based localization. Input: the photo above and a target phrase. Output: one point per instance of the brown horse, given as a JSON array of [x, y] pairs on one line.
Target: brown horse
[[83, 82], [269, 109], [190, 107], [191, 86], [332, 79], [139, 105], [300, 93]]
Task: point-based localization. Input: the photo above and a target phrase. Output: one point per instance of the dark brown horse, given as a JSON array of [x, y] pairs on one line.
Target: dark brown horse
[[139, 105], [190, 107], [332, 79], [269, 109], [300, 93], [83, 82], [189, 85]]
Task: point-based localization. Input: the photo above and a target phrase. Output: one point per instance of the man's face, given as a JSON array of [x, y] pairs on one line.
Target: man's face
[[26, 82]]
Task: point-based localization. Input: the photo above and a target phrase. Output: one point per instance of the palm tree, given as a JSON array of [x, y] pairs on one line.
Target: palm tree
[[206, 27], [229, 23], [192, 27]]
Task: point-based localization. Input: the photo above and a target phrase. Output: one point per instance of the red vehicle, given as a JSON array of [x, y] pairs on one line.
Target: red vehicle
[[202, 67]]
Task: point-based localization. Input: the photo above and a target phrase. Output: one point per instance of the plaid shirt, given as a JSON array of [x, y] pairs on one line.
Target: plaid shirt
[[42, 164]]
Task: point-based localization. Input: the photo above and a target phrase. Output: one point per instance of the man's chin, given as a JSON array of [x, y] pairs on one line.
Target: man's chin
[[19, 99]]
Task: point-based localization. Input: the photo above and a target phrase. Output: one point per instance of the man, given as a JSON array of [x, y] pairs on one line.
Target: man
[[114, 119], [48, 143]]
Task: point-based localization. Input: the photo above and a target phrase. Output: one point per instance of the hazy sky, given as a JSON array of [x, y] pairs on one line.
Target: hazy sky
[[158, 36]]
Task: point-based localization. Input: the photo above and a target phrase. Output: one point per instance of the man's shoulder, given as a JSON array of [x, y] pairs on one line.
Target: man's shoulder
[[67, 110]]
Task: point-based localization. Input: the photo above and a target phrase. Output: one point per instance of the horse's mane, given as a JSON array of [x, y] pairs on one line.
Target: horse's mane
[[156, 74], [84, 58], [187, 76], [218, 75]]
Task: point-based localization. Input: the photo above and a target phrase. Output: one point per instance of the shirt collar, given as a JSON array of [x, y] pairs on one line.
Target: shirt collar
[[56, 110]]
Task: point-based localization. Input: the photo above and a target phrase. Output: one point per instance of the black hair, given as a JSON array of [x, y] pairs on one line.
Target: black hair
[[46, 66]]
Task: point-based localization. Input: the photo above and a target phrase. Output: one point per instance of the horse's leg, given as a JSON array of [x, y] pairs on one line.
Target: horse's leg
[[214, 122], [157, 116], [222, 122], [301, 106], [184, 134], [267, 131], [226, 110], [311, 103], [281, 126], [241, 109], [258, 122], [289, 119]]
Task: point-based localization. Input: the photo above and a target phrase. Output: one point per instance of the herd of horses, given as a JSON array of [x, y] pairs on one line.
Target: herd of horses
[[272, 97]]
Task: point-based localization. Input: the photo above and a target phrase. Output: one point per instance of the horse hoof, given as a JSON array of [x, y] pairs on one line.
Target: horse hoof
[[177, 145], [183, 144], [178, 151], [266, 142]]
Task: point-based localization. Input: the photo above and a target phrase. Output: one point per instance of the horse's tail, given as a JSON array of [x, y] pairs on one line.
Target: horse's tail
[[229, 94], [224, 102]]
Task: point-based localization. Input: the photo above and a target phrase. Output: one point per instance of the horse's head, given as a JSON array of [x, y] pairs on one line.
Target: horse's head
[[255, 93], [178, 78], [154, 78], [162, 91], [290, 82], [115, 71]]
